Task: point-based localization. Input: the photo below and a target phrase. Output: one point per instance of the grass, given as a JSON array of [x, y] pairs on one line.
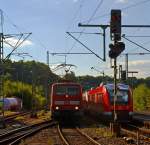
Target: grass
[[103, 132], [20, 118], [7, 113], [50, 141]]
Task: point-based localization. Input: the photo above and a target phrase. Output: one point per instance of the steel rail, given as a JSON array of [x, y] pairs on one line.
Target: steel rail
[[61, 135], [80, 132], [20, 133], [138, 133], [88, 137], [31, 132]]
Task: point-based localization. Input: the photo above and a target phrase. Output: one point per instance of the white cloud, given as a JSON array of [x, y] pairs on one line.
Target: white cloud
[[14, 41], [122, 1], [141, 66], [139, 62], [136, 63]]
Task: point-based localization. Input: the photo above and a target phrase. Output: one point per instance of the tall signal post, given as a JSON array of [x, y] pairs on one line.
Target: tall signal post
[[116, 48]]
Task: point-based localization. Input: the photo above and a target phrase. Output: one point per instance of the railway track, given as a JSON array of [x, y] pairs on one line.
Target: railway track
[[11, 123], [74, 136], [136, 134], [8, 118], [15, 136]]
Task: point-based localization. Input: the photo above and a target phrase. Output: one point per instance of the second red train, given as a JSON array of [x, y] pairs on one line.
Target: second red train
[[100, 102]]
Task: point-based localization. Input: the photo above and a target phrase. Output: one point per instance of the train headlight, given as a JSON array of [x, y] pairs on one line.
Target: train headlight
[[57, 108], [76, 108]]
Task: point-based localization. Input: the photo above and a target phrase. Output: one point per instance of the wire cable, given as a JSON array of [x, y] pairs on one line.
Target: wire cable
[[98, 6], [136, 44], [76, 14], [11, 22], [123, 9]]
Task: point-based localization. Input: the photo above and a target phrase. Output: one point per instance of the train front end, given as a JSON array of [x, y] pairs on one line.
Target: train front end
[[66, 99], [119, 107]]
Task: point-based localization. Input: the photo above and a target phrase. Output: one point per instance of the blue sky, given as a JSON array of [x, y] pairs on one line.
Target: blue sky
[[49, 20]]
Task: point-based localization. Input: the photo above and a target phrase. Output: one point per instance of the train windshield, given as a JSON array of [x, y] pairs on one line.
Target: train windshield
[[122, 97], [69, 90]]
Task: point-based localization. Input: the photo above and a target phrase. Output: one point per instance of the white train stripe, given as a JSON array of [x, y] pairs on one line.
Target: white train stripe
[[74, 102], [59, 102], [68, 102]]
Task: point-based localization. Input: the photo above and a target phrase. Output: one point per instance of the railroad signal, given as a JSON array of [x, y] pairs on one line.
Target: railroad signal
[[112, 53], [116, 49], [123, 75], [115, 25]]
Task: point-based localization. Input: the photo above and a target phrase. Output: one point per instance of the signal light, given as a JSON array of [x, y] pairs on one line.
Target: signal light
[[116, 49], [115, 25]]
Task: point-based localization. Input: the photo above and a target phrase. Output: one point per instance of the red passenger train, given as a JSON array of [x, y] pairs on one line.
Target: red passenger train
[[100, 102], [66, 99]]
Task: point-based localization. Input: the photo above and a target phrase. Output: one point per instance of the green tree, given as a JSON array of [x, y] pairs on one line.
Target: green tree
[[24, 92], [141, 97]]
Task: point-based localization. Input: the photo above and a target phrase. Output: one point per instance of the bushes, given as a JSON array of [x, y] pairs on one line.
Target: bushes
[[24, 91], [141, 98]]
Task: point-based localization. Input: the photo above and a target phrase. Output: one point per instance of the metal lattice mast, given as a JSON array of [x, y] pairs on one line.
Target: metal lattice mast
[[1, 75]]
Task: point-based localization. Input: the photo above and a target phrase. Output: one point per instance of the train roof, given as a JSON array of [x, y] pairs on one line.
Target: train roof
[[119, 86]]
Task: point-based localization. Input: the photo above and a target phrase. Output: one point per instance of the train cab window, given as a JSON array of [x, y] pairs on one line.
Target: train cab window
[[69, 90], [122, 97], [73, 91], [60, 90]]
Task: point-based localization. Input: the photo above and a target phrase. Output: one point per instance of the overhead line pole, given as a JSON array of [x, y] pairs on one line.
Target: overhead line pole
[[17, 46], [85, 46], [2, 123]]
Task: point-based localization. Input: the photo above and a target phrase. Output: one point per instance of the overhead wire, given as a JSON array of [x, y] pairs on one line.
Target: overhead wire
[[18, 29], [14, 25], [136, 44], [98, 6], [76, 14], [125, 8], [11, 22], [21, 37]]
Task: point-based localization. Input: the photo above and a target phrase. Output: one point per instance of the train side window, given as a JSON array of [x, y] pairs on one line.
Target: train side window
[[96, 98], [89, 98], [99, 97], [93, 98]]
